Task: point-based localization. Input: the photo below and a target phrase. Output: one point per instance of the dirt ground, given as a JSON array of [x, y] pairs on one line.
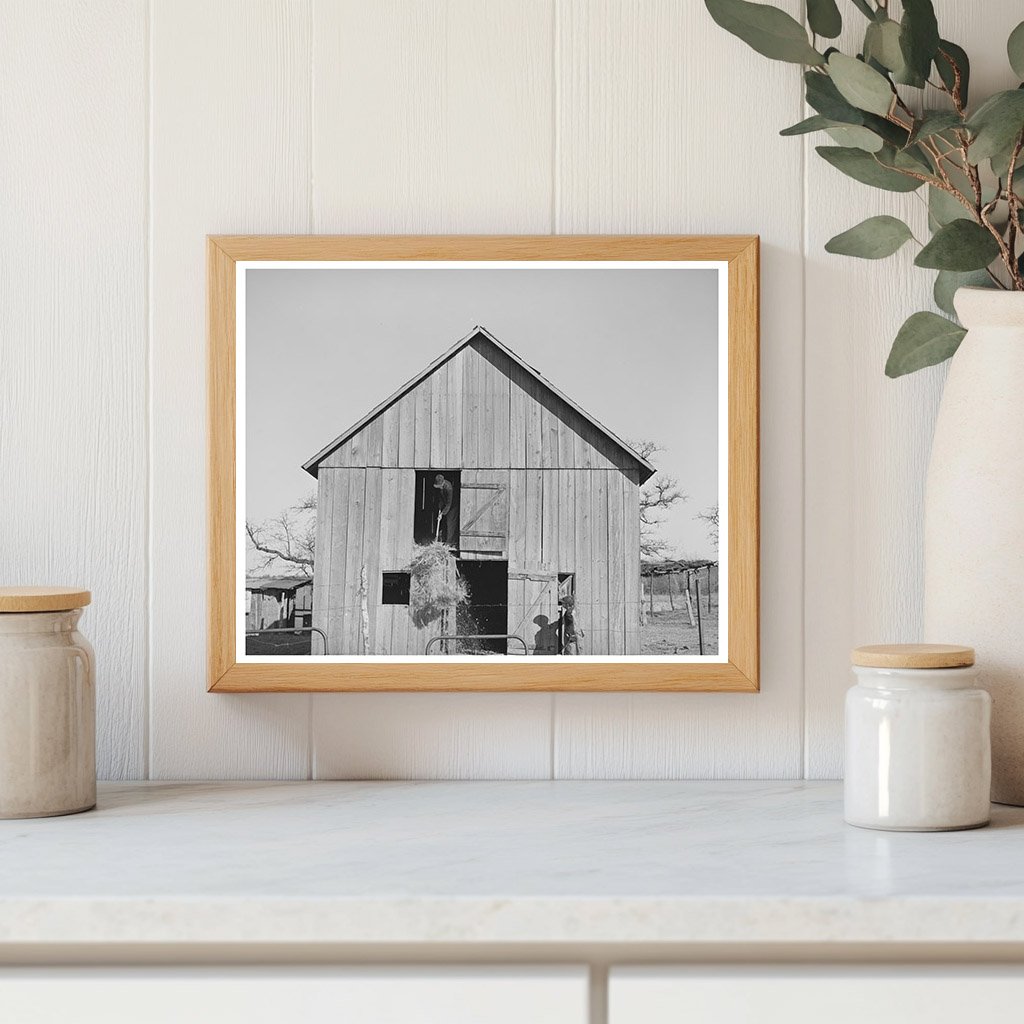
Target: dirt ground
[[670, 632]]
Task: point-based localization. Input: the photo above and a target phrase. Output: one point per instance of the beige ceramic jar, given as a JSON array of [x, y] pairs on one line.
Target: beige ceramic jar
[[47, 704]]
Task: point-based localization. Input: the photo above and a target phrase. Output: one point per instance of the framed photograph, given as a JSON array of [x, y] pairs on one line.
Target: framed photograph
[[483, 463]]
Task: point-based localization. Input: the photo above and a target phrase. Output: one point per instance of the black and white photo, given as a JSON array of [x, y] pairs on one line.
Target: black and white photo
[[482, 460]]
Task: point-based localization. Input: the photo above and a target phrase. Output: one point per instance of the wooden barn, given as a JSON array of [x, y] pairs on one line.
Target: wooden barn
[[544, 501]]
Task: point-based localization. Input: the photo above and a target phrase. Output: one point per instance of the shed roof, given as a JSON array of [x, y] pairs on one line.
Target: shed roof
[[478, 332], [276, 582]]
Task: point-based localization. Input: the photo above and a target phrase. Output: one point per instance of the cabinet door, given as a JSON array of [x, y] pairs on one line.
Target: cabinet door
[[228, 995], [815, 995]]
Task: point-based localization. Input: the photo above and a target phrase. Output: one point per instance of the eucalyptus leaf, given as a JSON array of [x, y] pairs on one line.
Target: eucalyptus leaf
[[1015, 50], [947, 282], [864, 167], [892, 133], [960, 245], [997, 124], [919, 36], [911, 159], [824, 18], [769, 31], [1001, 161], [856, 137], [951, 55], [825, 98], [943, 208], [872, 239], [882, 44], [934, 122], [860, 85], [926, 339], [817, 123]]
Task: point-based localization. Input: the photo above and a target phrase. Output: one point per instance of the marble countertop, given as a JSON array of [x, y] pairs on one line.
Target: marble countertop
[[500, 862]]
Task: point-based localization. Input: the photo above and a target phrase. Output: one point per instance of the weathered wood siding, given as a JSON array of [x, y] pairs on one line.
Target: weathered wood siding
[[479, 410], [541, 488], [559, 521]]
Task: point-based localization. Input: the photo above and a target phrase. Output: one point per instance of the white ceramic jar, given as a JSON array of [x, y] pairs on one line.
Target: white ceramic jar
[[47, 704], [918, 749]]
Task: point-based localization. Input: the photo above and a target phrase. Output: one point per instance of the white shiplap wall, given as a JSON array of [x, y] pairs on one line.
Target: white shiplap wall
[[132, 129]]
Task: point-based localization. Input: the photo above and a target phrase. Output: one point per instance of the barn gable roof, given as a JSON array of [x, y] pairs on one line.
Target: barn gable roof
[[478, 332]]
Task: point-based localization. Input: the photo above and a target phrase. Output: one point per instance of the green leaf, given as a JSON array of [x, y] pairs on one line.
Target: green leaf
[[912, 159], [872, 239], [934, 122], [924, 340], [808, 125], [864, 7], [944, 208], [892, 133], [947, 282], [824, 18], [853, 136], [960, 245], [919, 36], [1000, 161], [860, 85], [769, 31], [864, 167], [824, 97], [996, 125], [951, 55], [882, 44], [1015, 50]]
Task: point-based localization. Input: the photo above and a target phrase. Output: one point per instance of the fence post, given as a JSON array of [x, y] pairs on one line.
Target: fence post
[[700, 627]]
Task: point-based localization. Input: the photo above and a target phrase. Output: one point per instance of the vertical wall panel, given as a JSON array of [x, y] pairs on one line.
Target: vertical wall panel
[[230, 147], [868, 437], [73, 429], [373, 518], [432, 117], [668, 124], [454, 426]]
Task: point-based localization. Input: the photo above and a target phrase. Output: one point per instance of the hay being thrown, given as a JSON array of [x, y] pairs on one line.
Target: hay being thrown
[[435, 586]]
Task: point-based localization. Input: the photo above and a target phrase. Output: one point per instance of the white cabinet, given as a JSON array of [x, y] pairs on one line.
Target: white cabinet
[[372, 995], [811, 995]]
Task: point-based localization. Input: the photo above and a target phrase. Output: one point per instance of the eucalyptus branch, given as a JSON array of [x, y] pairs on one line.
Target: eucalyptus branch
[[955, 93], [907, 49]]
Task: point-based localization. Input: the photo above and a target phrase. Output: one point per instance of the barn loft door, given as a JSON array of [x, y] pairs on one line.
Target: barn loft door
[[483, 513]]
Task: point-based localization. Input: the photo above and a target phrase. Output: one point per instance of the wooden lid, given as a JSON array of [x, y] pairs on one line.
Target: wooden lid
[[42, 599], [913, 656]]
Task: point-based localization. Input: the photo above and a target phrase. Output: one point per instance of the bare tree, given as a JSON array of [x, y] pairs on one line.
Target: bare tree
[[288, 538], [658, 495], [710, 516]]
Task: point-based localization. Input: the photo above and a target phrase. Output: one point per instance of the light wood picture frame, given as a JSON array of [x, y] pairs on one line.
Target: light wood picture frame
[[737, 667]]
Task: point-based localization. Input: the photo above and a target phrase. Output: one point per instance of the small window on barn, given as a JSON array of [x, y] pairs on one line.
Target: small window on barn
[[394, 588], [437, 492]]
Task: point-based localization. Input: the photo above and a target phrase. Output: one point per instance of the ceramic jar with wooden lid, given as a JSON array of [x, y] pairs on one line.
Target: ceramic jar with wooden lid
[[47, 704], [918, 750]]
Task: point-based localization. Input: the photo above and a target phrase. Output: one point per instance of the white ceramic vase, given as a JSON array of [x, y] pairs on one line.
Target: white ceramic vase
[[974, 518]]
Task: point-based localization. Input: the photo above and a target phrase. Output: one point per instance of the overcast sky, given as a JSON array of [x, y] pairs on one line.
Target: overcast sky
[[636, 348]]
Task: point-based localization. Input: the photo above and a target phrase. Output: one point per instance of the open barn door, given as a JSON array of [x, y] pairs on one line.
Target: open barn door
[[533, 610], [483, 514]]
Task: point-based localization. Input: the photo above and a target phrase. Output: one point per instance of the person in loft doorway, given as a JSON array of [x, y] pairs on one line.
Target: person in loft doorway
[[445, 492]]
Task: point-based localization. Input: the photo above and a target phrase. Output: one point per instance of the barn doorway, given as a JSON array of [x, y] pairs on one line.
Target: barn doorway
[[487, 608], [430, 500]]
